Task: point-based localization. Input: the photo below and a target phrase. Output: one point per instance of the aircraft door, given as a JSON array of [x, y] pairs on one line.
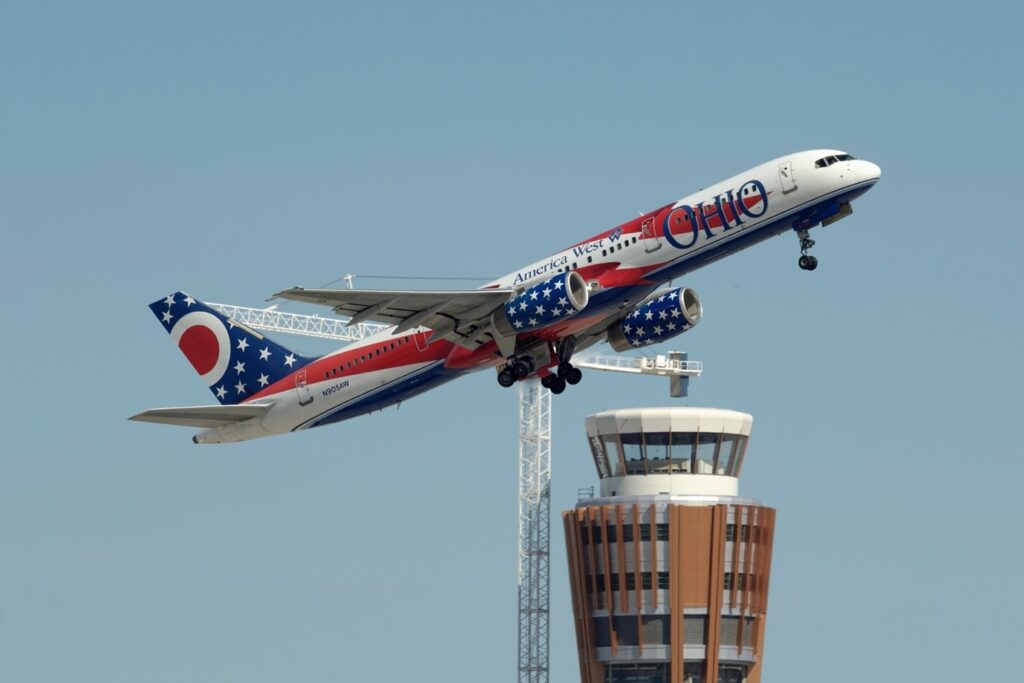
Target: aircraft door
[[649, 234], [302, 389], [786, 177]]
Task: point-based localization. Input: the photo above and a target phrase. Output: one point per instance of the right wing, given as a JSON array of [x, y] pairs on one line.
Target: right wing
[[203, 416], [461, 315]]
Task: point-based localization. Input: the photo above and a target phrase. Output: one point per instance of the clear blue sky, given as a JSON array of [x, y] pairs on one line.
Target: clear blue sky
[[232, 150]]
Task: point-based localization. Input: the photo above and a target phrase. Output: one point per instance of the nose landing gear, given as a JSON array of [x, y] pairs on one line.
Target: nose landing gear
[[806, 261]]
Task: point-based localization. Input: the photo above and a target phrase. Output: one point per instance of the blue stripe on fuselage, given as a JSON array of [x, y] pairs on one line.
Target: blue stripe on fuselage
[[410, 385]]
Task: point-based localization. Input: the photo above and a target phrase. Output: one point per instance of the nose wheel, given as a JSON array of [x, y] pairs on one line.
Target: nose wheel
[[806, 261]]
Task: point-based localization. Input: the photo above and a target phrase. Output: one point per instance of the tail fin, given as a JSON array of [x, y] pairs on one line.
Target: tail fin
[[235, 361]]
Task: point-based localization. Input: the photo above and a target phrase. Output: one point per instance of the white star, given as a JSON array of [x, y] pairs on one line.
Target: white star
[[657, 330], [289, 360], [540, 310], [556, 312], [239, 367], [533, 321], [169, 300], [563, 301], [635, 342], [661, 298], [639, 331], [533, 295], [221, 392], [627, 329], [240, 387], [547, 292], [672, 295], [189, 300], [243, 344], [265, 353], [662, 315], [675, 312], [167, 316], [518, 324], [671, 327], [511, 310], [558, 285], [648, 315], [263, 380], [522, 306], [231, 323]]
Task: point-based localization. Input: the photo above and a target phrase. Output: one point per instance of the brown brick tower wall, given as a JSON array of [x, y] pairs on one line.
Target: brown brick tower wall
[[669, 591]]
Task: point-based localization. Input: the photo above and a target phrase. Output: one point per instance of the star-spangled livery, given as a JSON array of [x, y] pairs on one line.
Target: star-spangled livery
[[655, 321], [237, 362], [529, 322]]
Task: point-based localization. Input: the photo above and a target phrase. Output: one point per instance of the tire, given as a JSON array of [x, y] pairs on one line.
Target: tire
[[520, 369], [805, 262], [574, 376], [563, 369], [505, 378], [558, 386], [813, 263], [547, 380]]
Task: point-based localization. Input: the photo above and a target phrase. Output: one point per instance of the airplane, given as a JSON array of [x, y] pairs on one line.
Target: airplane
[[530, 322]]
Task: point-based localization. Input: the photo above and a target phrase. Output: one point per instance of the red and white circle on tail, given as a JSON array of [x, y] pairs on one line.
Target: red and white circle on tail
[[204, 340]]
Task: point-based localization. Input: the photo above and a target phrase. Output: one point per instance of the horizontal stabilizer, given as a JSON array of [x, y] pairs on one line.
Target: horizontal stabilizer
[[203, 416]]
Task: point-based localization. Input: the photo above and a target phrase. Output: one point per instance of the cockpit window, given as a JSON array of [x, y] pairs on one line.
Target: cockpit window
[[824, 162]]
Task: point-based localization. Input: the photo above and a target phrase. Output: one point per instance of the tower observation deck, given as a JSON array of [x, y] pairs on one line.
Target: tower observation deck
[[669, 565]]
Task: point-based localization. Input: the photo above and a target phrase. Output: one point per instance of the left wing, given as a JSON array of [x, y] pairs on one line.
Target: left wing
[[454, 314]]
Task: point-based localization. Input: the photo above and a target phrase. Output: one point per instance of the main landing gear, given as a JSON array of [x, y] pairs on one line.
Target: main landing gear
[[567, 374], [806, 261], [517, 368], [520, 367]]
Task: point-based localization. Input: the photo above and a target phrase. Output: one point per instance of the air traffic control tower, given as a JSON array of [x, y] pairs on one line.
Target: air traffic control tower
[[669, 566]]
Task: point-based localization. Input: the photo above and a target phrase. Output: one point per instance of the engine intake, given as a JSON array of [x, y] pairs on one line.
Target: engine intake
[[559, 297], [661, 316]]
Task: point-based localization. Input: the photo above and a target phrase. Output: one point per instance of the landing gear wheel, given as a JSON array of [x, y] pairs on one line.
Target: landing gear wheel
[[547, 380], [558, 386], [520, 369], [574, 375], [506, 378], [808, 262], [563, 369]]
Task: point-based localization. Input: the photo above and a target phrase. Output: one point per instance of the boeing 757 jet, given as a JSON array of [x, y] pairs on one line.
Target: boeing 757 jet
[[609, 287]]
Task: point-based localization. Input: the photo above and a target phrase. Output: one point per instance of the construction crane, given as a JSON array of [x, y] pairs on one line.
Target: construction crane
[[534, 415]]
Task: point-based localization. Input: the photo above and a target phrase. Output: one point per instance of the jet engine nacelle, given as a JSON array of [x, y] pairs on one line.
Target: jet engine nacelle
[[557, 298], [661, 316]]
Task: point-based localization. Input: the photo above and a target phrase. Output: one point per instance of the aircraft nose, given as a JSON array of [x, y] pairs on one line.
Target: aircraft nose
[[871, 171]]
